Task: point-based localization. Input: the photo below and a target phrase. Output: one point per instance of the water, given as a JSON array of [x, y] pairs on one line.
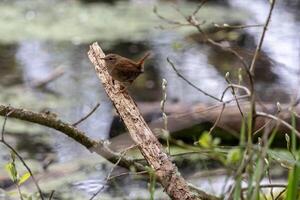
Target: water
[[282, 41], [78, 90]]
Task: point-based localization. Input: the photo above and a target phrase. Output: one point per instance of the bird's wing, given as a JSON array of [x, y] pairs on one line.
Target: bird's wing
[[126, 74], [128, 68]]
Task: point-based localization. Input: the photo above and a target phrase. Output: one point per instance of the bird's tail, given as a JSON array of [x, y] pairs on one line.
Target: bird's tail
[[142, 60]]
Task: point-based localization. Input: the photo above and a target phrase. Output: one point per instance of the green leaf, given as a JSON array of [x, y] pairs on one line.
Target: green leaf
[[238, 188], [12, 171], [233, 156], [205, 140], [24, 178], [283, 157], [293, 182]]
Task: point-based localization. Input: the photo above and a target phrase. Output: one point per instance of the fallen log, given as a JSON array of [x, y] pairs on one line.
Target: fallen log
[[181, 117]]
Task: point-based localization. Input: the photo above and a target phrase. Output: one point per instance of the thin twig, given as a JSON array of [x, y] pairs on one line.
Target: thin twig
[[235, 97], [51, 194], [168, 20], [267, 123], [262, 114], [190, 83], [269, 185], [107, 177], [87, 116], [235, 86], [258, 48], [218, 119], [251, 70], [199, 7], [280, 193], [19, 156], [55, 74], [263, 126], [4, 124], [224, 104], [127, 173], [235, 27], [19, 191], [179, 115]]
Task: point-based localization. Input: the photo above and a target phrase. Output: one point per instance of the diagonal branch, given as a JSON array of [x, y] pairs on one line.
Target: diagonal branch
[[262, 37], [87, 116], [151, 149], [190, 83]]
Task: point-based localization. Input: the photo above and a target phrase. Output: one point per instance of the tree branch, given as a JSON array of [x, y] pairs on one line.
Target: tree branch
[[87, 116], [79, 136], [151, 149]]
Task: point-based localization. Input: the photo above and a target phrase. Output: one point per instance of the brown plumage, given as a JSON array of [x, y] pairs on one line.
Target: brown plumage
[[123, 69]]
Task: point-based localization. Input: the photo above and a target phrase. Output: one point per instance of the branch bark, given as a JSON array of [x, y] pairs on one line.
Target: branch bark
[[151, 149], [51, 121]]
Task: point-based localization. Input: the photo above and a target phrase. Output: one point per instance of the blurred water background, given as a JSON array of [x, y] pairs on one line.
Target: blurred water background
[[38, 37]]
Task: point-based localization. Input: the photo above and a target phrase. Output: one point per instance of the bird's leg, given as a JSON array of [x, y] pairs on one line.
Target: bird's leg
[[122, 88]]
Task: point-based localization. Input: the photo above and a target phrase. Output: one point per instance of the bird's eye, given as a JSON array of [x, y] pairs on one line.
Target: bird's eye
[[110, 58]]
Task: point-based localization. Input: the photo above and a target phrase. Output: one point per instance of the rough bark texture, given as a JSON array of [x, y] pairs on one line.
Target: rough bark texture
[[53, 122], [151, 149]]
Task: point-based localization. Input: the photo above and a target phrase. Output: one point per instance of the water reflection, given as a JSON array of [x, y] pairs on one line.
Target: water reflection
[[191, 61], [281, 41], [78, 90], [10, 71]]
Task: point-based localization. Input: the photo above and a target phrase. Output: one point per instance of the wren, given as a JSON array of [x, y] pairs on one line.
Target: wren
[[123, 69]]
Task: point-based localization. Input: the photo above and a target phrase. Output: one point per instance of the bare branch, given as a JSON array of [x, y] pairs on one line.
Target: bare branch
[[230, 85], [218, 119], [258, 48], [235, 27], [234, 95], [169, 21], [58, 72], [51, 194], [108, 176], [190, 83], [87, 116], [44, 119], [235, 86], [262, 114], [151, 149], [199, 7]]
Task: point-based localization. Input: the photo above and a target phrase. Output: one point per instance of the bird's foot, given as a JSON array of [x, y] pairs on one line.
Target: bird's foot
[[122, 88]]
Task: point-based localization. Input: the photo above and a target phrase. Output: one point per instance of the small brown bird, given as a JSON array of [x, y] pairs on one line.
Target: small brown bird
[[123, 69]]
